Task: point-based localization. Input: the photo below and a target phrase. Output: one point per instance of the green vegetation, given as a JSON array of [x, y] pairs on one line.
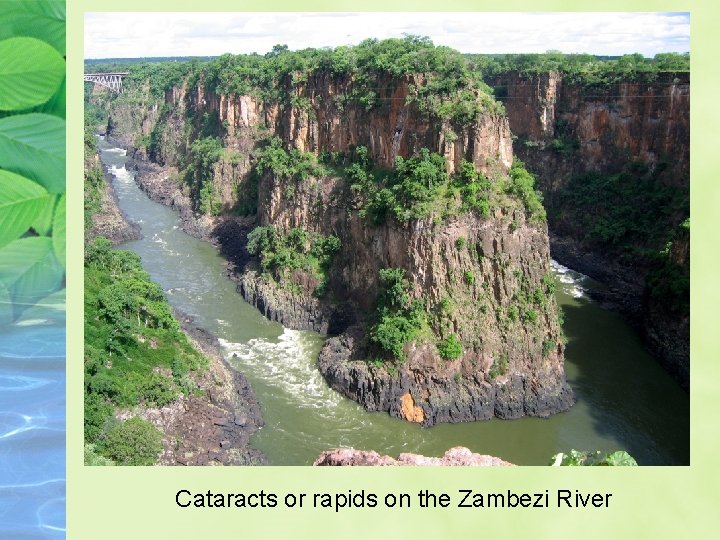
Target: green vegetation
[[669, 278], [628, 215], [523, 186], [135, 353], [202, 156], [448, 89], [287, 165], [584, 69], [548, 346], [92, 458], [420, 186], [284, 255], [499, 366], [450, 348], [620, 211], [399, 318], [133, 442], [32, 155], [577, 458], [94, 181]]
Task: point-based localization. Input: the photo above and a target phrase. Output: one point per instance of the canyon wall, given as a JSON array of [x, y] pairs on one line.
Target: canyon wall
[[572, 135], [482, 279]]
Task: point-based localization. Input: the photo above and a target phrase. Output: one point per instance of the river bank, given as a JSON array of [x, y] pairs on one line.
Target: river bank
[[213, 424]]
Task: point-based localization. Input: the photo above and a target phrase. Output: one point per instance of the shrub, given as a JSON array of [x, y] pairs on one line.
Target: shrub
[[469, 277], [157, 390], [450, 348], [549, 284], [522, 185], [399, 318], [499, 366], [392, 332], [547, 347], [93, 458], [530, 316], [578, 458], [297, 250], [460, 243], [97, 414], [134, 442], [287, 165]]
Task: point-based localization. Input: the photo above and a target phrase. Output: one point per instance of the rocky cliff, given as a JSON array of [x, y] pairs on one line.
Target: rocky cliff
[[479, 278], [476, 276], [613, 165]]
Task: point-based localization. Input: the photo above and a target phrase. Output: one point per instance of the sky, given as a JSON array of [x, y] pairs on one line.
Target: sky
[[134, 35]]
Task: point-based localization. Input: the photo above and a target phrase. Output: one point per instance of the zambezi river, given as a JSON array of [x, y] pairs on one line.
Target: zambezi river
[[625, 401]]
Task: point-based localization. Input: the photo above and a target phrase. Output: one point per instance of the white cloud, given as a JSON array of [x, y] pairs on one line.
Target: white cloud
[[208, 34]]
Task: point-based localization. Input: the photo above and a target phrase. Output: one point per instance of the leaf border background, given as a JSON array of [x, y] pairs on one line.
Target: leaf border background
[[32, 266]]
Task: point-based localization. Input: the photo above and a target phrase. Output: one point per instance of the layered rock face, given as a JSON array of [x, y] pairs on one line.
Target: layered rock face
[[564, 131], [321, 117], [475, 275], [626, 121]]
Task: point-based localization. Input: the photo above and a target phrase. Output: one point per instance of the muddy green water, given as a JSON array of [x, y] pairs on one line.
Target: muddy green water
[[625, 400]]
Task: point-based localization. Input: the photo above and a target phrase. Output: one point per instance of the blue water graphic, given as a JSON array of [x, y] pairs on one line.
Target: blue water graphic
[[32, 425]]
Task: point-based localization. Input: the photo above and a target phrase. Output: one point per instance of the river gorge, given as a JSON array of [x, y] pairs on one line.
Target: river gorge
[[625, 400]]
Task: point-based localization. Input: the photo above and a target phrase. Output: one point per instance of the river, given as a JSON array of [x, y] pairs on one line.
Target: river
[[625, 400]]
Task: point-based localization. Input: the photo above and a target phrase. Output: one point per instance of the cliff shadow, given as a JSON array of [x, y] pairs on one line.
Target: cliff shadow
[[230, 234], [629, 396]]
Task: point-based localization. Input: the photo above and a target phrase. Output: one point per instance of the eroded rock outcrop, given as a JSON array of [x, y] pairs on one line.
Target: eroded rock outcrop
[[458, 456]]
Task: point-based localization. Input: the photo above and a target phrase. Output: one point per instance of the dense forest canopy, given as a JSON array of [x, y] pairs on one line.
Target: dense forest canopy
[[448, 69], [583, 68]]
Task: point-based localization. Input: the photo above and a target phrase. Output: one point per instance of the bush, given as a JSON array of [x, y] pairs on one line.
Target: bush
[[297, 250], [399, 318], [583, 459], [134, 442], [450, 348], [522, 185], [549, 284], [97, 414], [469, 277], [157, 390], [287, 165], [93, 458], [547, 347], [499, 366]]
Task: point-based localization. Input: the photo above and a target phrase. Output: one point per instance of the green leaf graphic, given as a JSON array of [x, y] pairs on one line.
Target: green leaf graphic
[[44, 222], [33, 145], [30, 73], [29, 270], [58, 236], [56, 105], [21, 202], [44, 20], [46, 309]]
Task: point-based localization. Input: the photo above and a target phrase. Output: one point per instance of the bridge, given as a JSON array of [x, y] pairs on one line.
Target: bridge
[[113, 81]]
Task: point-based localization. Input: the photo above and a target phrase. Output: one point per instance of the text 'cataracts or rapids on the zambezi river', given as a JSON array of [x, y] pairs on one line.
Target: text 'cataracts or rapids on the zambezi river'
[[465, 498]]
